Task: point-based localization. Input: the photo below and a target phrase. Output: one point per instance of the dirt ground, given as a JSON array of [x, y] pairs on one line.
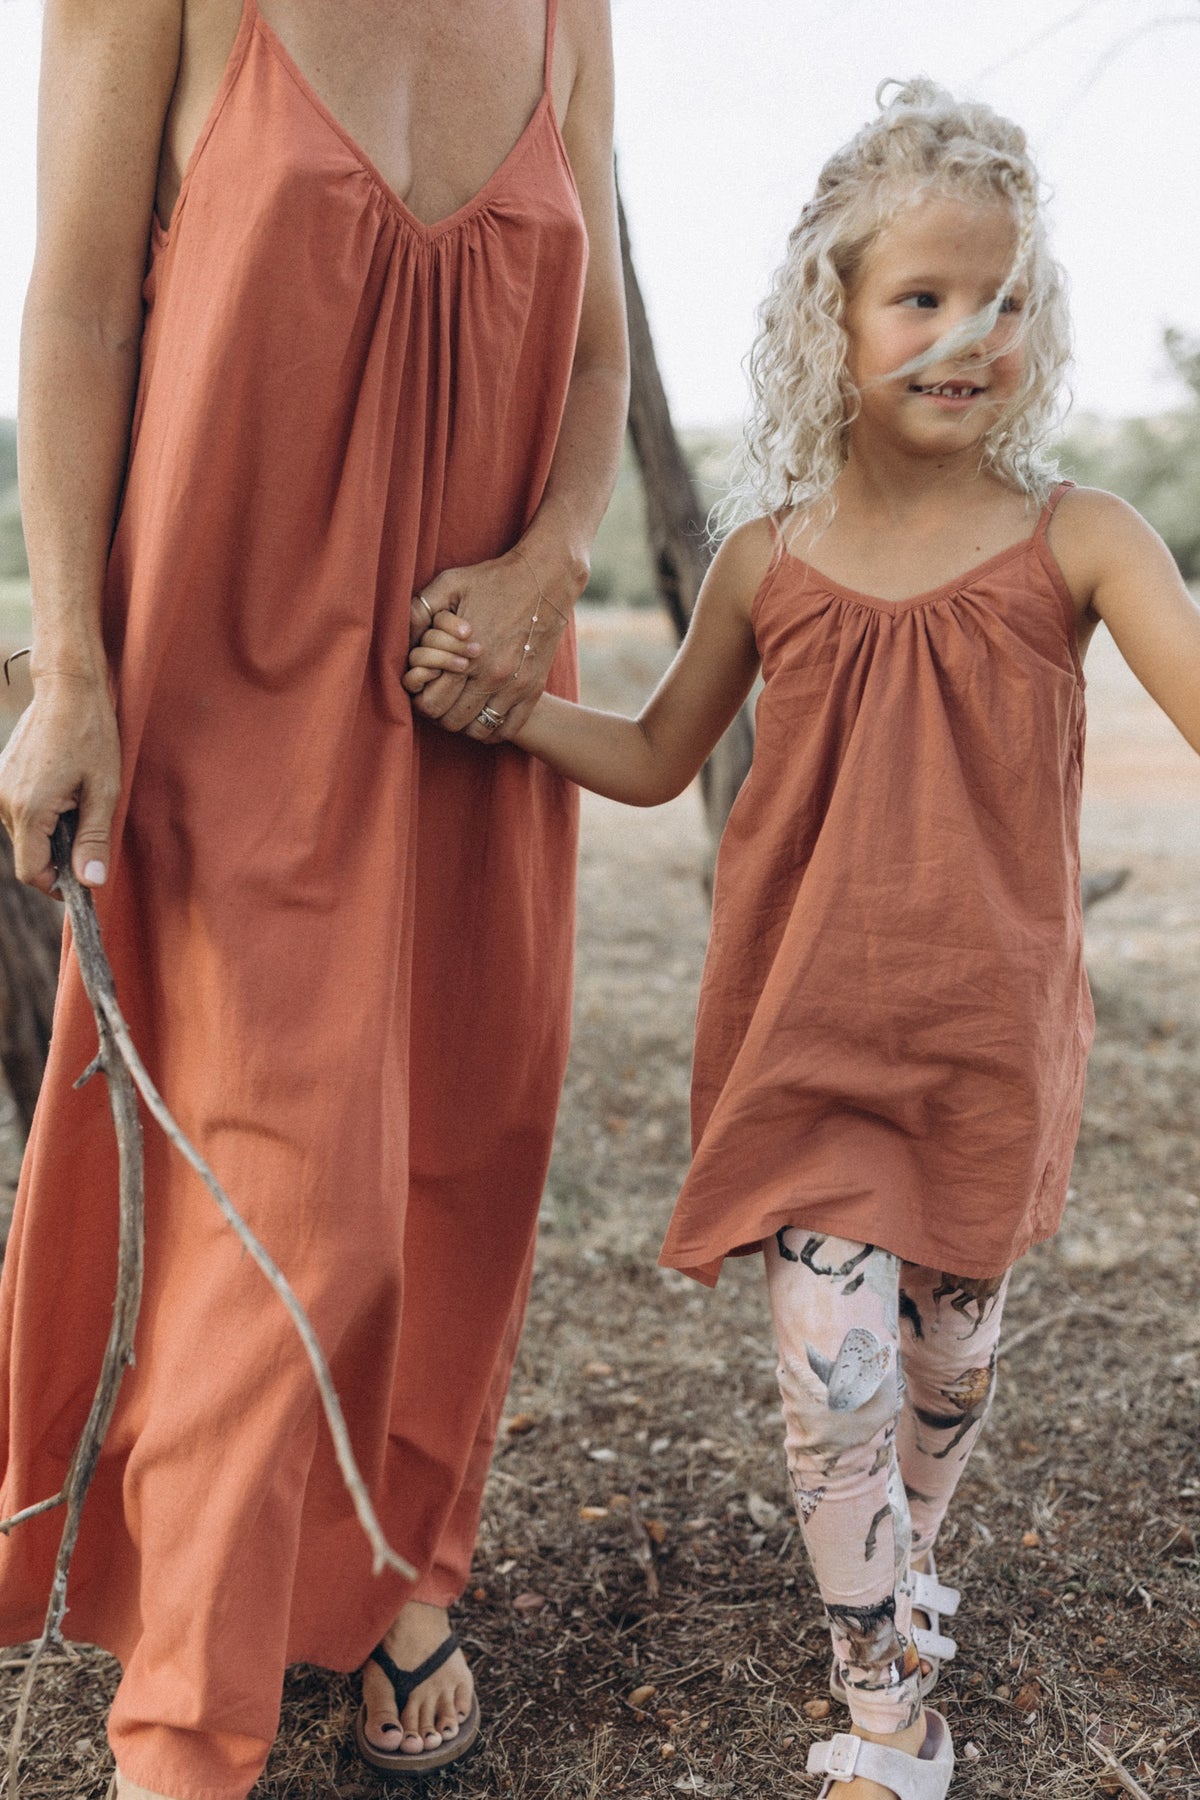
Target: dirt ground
[[640, 1618]]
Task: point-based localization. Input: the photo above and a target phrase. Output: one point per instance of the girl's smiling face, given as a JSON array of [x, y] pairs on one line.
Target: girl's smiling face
[[942, 260]]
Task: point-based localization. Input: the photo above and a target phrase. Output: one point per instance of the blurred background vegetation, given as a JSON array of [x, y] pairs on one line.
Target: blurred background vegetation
[[1152, 462]]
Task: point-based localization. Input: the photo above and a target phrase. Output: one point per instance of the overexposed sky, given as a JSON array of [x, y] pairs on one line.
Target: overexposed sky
[[727, 108]]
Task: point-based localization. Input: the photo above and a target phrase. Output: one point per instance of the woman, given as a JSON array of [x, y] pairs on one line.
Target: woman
[[373, 374]]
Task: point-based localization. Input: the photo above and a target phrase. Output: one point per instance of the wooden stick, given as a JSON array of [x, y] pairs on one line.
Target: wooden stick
[[1074, 1310], [384, 1555], [126, 1074], [118, 1353], [1122, 1774]]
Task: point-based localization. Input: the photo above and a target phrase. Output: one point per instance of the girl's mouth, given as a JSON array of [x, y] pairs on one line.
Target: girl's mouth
[[949, 395]]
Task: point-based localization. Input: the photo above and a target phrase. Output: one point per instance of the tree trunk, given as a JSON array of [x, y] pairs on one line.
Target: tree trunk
[[30, 945], [675, 523]]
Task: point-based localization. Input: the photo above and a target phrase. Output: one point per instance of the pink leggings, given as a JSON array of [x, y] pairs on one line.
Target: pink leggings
[[877, 1436]]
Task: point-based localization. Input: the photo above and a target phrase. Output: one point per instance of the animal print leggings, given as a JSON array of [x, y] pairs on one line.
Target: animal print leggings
[[877, 1435]]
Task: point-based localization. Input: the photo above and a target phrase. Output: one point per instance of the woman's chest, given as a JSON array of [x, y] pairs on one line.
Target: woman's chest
[[436, 97]]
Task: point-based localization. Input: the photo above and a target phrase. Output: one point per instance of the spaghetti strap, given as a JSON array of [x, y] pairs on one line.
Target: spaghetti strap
[[1047, 513], [551, 21]]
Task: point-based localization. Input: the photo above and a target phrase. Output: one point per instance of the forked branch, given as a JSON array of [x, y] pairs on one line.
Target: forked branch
[[126, 1076]]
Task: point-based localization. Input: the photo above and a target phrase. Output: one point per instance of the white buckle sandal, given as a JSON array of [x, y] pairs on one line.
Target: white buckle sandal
[[925, 1776], [932, 1646]]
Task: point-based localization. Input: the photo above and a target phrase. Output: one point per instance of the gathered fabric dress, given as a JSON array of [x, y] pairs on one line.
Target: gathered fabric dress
[[894, 1018], [343, 938]]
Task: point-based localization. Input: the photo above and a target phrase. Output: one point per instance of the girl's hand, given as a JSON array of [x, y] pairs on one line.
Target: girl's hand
[[507, 612], [64, 754], [447, 646]]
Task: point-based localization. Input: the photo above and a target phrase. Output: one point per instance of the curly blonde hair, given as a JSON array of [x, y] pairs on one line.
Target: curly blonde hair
[[923, 142]]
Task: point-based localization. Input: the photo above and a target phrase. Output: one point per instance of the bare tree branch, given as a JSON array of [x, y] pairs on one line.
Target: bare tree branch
[[118, 1353], [1037, 40], [126, 1075], [1118, 1770]]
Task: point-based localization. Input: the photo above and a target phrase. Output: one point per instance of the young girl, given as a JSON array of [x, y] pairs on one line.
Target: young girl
[[895, 1017]]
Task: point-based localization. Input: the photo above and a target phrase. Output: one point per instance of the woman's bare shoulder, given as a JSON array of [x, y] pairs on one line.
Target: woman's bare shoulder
[[584, 33]]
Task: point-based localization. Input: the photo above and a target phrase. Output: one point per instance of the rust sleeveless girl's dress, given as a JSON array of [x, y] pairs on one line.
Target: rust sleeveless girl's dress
[[344, 945], [895, 1019]]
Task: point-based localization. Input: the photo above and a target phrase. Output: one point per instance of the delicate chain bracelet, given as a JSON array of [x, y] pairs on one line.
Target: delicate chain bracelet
[[542, 596]]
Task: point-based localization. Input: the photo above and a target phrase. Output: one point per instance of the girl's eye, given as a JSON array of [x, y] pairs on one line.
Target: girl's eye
[[1010, 304], [923, 299]]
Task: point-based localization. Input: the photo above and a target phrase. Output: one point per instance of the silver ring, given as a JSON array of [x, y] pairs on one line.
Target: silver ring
[[420, 600], [489, 719]]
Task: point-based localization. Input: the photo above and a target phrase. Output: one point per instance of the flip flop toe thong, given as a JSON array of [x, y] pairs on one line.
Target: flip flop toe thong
[[404, 1683]]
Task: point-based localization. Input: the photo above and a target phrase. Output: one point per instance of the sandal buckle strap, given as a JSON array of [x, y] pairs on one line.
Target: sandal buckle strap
[[929, 1595], [837, 1757]]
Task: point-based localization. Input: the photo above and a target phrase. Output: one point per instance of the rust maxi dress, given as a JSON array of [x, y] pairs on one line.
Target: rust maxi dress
[[343, 940]]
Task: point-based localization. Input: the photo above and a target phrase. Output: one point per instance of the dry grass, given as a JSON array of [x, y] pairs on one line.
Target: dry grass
[[654, 1404]]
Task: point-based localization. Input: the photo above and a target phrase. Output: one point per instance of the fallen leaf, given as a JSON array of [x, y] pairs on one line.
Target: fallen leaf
[[603, 1455], [618, 1503], [641, 1695], [593, 1512], [971, 1751], [666, 1751], [519, 1424], [480, 1593], [656, 1529], [595, 1370], [1030, 1541], [817, 1709], [1027, 1698], [529, 1605]]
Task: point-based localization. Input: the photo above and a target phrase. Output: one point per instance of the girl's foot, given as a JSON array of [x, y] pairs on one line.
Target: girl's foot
[[920, 1620], [909, 1740], [129, 1790], [438, 1707]]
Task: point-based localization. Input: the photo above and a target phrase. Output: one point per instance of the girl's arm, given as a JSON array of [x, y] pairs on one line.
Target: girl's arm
[[647, 760], [108, 69], [1108, 549]]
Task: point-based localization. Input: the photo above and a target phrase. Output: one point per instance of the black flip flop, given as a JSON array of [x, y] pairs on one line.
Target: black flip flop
[[404, 1684]]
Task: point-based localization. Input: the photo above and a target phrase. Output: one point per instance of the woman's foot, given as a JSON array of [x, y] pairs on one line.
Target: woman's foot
[[436, 1709], [910, 1740]]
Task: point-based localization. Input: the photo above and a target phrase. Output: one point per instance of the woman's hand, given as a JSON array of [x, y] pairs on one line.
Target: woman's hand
[[517, 630], [63, 755]]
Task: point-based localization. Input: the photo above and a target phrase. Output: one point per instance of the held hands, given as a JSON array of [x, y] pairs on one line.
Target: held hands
[[483, 678]]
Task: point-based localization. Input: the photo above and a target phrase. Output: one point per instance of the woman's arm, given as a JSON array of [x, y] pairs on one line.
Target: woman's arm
[[647, 760], [499, 597], [1109, 550], [108, 69]]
